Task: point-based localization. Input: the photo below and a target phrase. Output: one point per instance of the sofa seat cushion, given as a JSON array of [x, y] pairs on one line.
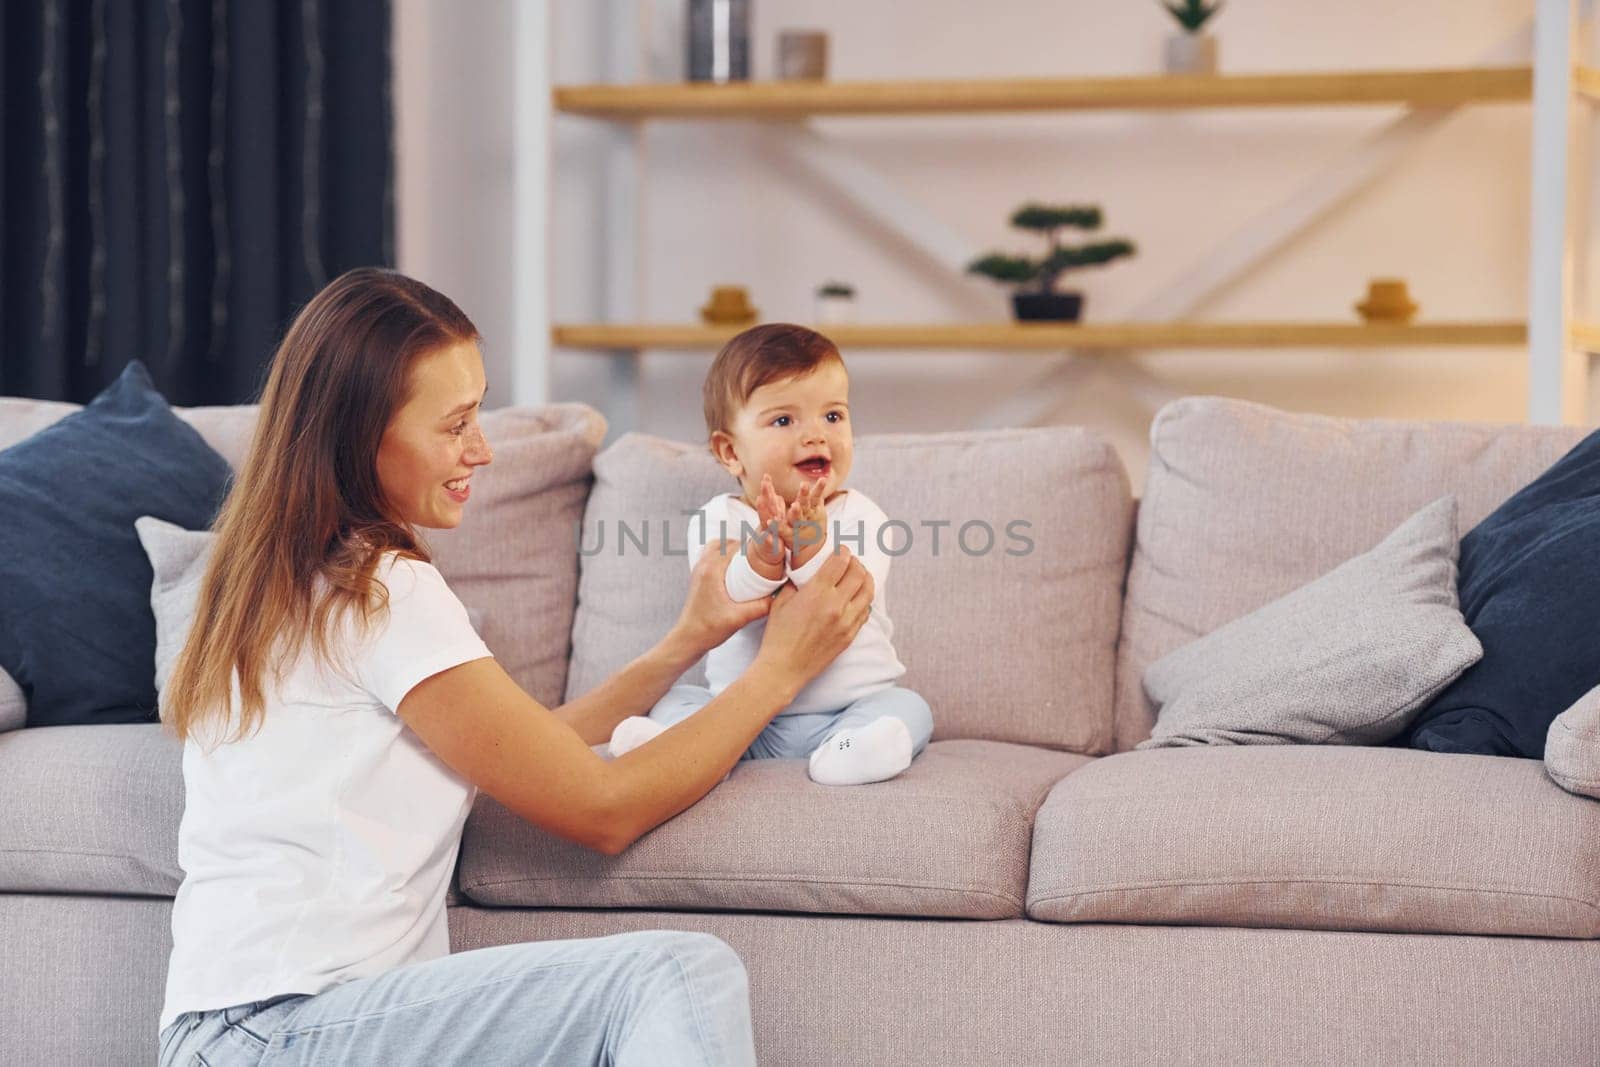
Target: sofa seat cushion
[[949, 837], [1319, 837], [94, 809], [90, 809]]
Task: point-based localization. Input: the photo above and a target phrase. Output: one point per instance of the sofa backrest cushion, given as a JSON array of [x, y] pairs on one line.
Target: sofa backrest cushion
[[1010, 644], [1244, 503], [513, 559]]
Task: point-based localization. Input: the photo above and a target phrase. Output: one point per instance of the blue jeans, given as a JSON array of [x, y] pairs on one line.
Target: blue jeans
[[650, 997], [797, 736]]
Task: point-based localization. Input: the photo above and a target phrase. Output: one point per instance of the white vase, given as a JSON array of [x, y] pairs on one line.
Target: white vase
[[1191, 53], [835, 309]]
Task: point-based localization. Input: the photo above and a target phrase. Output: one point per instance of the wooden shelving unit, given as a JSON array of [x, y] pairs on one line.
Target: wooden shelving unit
[[789, 100], [793, 99], [1551, 84], [1056, 337]]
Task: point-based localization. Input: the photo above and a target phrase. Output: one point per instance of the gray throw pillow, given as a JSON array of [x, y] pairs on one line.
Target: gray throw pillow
[[1572, 747], [13, 704], [1348, 659], [178, 557]]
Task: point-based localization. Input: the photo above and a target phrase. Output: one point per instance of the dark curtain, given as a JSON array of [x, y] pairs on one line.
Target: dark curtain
[[180, 176]]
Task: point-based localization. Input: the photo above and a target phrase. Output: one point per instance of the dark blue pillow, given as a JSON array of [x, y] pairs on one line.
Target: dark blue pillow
[[76, 630], [1530, 590]]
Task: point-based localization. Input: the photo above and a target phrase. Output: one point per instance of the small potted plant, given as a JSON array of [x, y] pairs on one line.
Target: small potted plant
[[1191, 51], [1036, 297], [836, 302]]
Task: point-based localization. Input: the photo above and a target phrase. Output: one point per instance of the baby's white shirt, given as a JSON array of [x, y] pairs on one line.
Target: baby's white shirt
[[869, 664]]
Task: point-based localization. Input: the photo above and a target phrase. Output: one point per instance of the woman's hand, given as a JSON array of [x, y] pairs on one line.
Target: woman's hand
[[709, 615], [807, 629]]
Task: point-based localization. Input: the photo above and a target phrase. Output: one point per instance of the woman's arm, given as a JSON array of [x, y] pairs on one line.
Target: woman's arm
[[633, 690], [709, 618], [805, 631], [477, 720]]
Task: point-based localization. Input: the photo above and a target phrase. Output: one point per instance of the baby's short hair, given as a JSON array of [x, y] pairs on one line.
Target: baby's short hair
[[760, 355]]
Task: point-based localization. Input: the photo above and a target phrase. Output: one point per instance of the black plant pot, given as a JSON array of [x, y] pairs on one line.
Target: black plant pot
[[1047, 307]]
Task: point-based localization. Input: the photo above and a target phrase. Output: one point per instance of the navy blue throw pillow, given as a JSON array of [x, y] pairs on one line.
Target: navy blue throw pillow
[[76, 630], [1530, 590]]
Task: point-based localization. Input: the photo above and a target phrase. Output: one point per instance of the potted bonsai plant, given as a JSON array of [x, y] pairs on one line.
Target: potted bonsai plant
[[836, 302], [1191, 51], [1036, 297]]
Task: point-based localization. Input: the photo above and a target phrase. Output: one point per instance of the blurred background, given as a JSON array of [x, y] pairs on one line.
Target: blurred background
[[188, 239]]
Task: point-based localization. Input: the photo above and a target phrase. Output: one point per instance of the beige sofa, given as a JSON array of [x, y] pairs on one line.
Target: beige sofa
[[1030, 891]]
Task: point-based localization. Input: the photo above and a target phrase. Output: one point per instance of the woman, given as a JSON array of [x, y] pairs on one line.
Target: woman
[[338, 712]]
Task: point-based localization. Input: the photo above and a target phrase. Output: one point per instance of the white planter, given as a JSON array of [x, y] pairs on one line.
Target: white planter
[[1191, 53], [835, 309]]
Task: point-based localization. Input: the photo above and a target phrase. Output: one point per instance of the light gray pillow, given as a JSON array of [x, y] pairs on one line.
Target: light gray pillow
[[1348, 659], [13, 704], [178, 557], [1572, 747]]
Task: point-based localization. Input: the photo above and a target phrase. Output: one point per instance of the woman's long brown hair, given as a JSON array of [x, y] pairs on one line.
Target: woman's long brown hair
[[305, 523]]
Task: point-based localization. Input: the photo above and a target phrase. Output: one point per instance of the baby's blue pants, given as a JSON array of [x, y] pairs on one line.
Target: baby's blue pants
[[797, 736]]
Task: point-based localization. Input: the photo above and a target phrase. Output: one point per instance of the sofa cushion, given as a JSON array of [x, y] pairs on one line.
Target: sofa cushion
[[76, 632], [949, 837], [21, 418], [1010, 644], [1572, 746], [1318, 837], [1527, 574], [1243, 503], [13, 704], [1345, 660], [94, 809], [90, 810], [513, 559], [178, 557]]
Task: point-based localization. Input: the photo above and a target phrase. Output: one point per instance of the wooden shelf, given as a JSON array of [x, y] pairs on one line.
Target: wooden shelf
[[1052, 336], [793, 99]]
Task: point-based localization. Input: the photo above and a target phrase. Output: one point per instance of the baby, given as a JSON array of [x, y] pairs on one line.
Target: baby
[[778, 414]]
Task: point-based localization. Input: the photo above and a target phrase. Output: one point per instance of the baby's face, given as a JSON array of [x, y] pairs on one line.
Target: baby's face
[[796, 430]]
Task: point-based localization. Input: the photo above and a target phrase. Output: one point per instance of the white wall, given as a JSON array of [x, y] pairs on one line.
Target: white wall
[[1451, 217], [454, 67]]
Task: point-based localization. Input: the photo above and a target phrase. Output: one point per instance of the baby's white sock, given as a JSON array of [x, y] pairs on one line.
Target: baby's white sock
[[872, 753], [632, 732]]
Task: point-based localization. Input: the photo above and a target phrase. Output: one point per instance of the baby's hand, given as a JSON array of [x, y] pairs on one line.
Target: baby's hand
[[768, 547], [806, 520]]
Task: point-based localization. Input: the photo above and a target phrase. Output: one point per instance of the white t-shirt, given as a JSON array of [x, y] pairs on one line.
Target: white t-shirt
[[869, 664], [320, 849]]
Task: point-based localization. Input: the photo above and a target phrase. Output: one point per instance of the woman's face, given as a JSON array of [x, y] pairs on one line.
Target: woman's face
[[434, 443]]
